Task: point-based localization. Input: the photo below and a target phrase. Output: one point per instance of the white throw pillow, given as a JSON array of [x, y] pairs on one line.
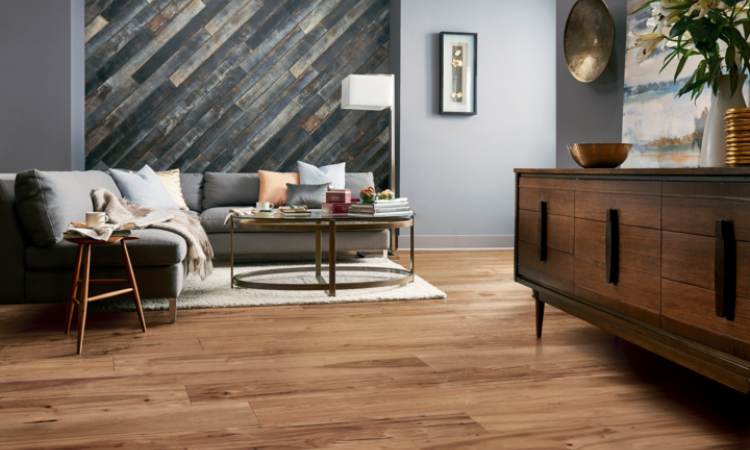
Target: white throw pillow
[[144, 188], [334, 174], [171, 181]]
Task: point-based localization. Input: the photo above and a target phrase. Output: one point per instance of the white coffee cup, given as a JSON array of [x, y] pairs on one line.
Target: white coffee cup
[[95, 219], [264, 206]]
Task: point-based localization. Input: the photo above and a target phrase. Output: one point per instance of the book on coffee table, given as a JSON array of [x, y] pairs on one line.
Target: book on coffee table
[[382, 208], [295, 211]]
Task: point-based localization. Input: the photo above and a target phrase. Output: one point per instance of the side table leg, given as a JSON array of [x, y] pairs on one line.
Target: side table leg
[[83, 302], [133, 284], [74, 289], [332, 258]]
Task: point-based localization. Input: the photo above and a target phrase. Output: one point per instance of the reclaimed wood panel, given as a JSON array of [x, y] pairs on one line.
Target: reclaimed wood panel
[[233, 85]]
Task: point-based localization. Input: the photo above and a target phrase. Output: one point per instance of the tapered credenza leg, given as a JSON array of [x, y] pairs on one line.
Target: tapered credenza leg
[[539, 314]]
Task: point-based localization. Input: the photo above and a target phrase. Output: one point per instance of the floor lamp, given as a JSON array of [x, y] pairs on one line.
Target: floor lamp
[[374, 92]]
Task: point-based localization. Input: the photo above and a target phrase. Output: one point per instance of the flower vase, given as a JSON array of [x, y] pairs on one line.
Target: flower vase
[[713, 144]]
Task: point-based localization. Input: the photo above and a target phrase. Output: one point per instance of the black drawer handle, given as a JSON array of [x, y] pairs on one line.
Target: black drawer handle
[[725, 269], [612, 246], [542, 230]]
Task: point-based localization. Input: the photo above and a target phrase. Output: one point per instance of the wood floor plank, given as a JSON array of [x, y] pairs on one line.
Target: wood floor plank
[[462, 373]]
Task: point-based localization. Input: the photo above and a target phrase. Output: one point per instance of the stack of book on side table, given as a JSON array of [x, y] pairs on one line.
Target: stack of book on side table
[[396, 207], [338, 201]]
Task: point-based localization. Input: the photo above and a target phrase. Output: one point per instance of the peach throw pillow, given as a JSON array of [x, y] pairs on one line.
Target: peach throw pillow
[[273, 186]]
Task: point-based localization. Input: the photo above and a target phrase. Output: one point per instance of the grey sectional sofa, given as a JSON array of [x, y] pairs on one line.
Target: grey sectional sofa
[[37, 262]]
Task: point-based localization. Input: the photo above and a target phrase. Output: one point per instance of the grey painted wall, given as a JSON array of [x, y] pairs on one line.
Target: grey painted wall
[[458, 171], [590, 112], [39, 105], [77, 81]]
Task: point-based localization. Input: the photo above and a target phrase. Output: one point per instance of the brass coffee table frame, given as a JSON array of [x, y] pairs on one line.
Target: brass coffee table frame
[[318, 223]]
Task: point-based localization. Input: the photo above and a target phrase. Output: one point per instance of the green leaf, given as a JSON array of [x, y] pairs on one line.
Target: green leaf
[[680, 66]]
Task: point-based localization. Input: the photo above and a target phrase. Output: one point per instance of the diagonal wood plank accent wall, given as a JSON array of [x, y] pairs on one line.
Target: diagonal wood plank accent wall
[[232, 85]]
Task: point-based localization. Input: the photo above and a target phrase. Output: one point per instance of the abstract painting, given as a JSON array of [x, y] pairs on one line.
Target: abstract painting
[[665, 130]]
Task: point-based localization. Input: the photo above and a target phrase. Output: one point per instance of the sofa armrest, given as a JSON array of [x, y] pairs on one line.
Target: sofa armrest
[[12, 244]]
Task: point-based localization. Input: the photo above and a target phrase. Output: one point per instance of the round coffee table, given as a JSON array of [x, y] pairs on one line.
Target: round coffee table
[[318, 223]]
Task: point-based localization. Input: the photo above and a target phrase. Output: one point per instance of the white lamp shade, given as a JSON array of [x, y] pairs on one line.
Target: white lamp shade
[[367, 92]]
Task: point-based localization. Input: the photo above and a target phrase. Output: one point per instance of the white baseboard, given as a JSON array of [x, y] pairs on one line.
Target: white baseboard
[[457, 241]]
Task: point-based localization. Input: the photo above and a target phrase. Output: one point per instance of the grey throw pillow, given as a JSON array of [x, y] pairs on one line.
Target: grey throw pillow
[[144, 188], [310, 195], [334, 174]]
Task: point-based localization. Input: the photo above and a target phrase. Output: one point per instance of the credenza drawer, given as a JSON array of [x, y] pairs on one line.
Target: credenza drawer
[[636, 293], [689, 311], [695, 207], [556, 271], [557, 194], [559, 230], [637, 207], [691, 259], [636, 288], [638, 203], [639, 248]]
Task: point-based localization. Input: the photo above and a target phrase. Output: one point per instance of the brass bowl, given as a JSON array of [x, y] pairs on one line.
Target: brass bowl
[[590, 156]]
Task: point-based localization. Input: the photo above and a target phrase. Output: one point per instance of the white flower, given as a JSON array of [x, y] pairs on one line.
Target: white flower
[[647, 43]]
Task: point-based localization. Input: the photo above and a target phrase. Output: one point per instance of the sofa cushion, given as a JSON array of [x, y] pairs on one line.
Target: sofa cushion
[[356, 181], [192, 190], [153, 282], [212, 219], [48, 201], [227, 189], [153, 248]]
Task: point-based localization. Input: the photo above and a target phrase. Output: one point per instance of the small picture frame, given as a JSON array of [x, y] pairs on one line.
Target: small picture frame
[[458, 73]]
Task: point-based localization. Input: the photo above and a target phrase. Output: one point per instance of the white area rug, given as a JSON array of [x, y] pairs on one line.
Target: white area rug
[[215, 291]]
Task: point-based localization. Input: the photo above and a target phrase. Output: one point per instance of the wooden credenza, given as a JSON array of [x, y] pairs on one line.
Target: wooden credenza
[[659, 257]]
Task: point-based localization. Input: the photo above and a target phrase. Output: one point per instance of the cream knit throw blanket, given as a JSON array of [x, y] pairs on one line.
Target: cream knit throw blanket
[[184, 223]]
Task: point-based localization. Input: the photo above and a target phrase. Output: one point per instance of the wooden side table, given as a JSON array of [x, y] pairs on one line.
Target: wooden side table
[[82, 281]]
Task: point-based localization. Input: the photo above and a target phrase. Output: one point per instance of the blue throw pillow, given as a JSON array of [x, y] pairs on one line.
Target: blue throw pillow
[[334, 175], [144, 188]]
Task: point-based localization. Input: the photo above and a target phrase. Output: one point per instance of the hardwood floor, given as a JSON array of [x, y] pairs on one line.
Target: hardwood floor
[[466, 373]]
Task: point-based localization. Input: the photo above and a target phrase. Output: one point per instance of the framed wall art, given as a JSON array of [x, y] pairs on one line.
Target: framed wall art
[[458, 73]]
